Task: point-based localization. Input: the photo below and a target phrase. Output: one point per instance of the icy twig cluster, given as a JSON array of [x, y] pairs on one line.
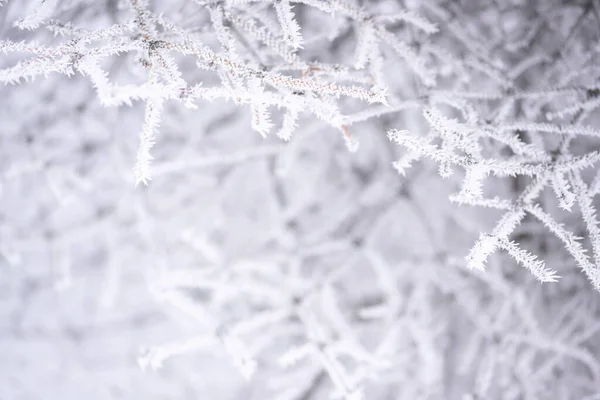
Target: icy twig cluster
[[307, 270]]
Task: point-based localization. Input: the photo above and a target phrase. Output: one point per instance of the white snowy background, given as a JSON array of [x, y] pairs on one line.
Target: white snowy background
[[308, 271]]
